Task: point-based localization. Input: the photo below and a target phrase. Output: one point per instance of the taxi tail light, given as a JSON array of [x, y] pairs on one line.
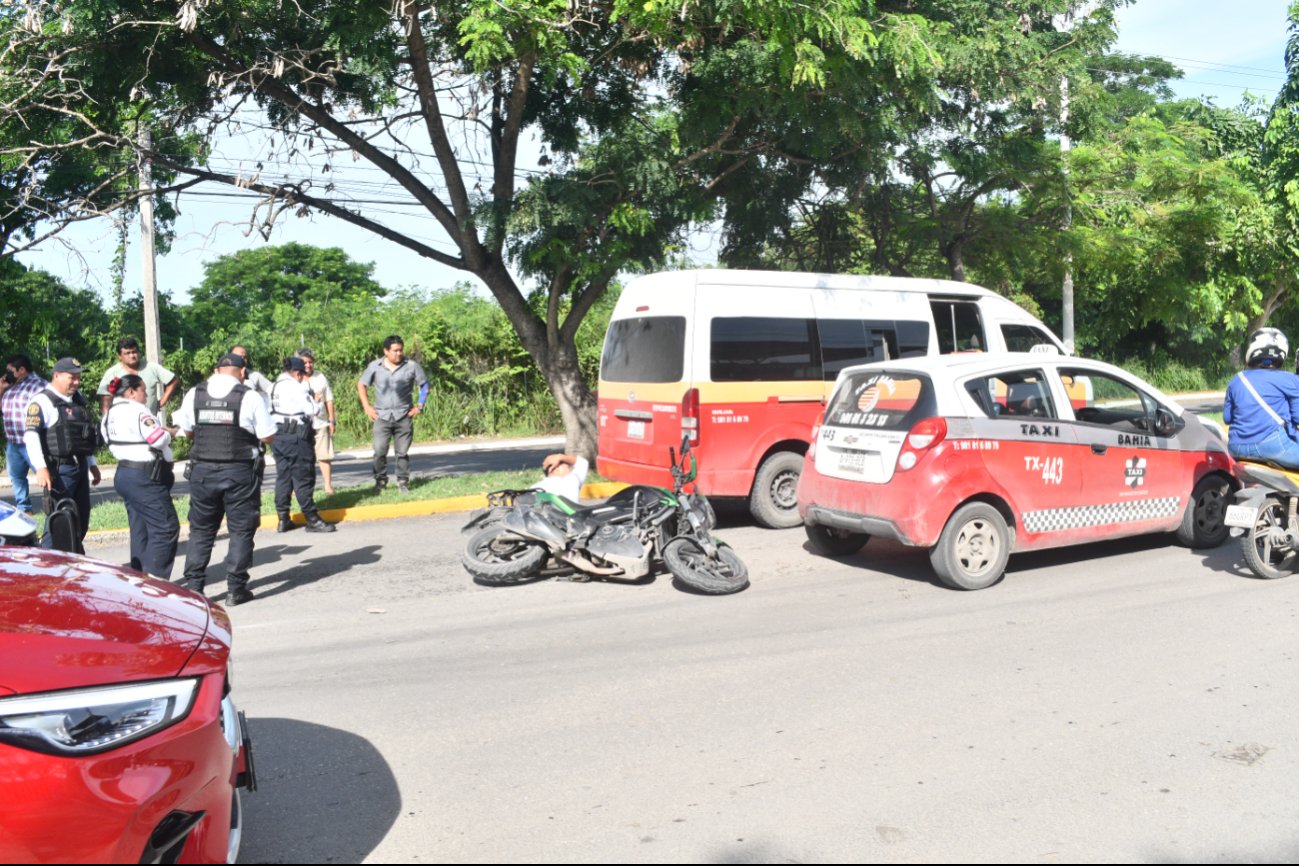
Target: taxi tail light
[[690, 415], [924, 435], [816, 432]]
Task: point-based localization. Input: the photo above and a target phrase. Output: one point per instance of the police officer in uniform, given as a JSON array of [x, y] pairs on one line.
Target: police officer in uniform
[[60, 436], [227, 421], [144, 477], [293, 410]]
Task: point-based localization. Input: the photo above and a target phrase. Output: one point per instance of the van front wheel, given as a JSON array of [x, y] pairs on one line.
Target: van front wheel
[[774, 499]]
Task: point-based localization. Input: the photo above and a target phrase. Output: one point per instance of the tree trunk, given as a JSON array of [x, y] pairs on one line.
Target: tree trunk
[[1280, 289], [577, 404], [955, 260]]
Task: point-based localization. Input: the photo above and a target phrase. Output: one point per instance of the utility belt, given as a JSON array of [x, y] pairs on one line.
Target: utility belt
[[294, 427], [257, 465], [157, 469]]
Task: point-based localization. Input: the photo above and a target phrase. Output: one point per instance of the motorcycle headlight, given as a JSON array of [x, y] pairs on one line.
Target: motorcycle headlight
[[89, 721]]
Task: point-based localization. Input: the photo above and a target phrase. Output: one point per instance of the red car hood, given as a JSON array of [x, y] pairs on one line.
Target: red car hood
[[69, 621]]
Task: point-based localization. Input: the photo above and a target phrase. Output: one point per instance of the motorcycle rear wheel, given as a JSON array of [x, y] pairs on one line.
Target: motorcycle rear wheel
[[688, 562], [497, 558], [1264, 558]]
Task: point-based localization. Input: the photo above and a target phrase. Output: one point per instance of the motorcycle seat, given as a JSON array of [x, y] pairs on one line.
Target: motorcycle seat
[[1269, 473]]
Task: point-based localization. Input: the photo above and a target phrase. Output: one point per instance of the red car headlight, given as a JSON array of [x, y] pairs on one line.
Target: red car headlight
[[89, 721]]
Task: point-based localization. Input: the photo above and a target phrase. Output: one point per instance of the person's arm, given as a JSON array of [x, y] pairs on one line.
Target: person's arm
[[169, 389], [553, 460], [361, 383], [32, 441], [422, 381], [105, 398]]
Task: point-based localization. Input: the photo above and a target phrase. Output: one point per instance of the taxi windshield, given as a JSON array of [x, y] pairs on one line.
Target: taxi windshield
[[882, 401]]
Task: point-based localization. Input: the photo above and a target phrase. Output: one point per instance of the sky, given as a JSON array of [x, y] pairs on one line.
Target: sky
[[1224, 49]]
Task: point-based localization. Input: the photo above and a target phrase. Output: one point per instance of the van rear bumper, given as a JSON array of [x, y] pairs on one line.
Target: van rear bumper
[[729, 482], [874, 526]]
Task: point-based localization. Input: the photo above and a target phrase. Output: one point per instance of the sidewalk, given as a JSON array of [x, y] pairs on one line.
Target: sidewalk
[[557, 442]]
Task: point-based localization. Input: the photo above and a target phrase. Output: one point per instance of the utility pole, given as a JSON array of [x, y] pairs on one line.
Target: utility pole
[[1066, 287], [149, 276]]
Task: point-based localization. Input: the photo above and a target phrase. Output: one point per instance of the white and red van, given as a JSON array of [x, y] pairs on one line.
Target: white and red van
[[744, 361]]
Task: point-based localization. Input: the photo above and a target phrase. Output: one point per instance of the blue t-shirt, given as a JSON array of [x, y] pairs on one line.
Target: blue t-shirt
[[1248, 421]]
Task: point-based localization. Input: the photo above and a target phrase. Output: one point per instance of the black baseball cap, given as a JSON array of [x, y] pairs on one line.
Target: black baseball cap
[[230, 359]]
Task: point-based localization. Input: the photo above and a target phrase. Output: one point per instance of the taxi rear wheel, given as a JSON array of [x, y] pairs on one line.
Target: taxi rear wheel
[[973, 550], [835, 542], [1203, 522]]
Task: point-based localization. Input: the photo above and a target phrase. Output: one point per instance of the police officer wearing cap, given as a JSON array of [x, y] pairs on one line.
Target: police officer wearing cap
[[144, 477], [293, 409], [227, 421], [61, 438]]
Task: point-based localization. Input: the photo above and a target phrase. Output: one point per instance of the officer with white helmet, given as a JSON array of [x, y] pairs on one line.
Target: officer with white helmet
[[1262, 403], [145, 474]]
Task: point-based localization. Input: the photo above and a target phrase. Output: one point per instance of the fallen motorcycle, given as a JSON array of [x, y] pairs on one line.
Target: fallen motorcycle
[[1265, 517], [521, 531]]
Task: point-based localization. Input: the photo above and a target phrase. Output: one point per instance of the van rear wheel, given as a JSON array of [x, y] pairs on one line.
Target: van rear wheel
[[773, 501]]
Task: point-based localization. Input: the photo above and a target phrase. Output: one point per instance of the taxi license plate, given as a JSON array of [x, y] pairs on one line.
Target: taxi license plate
[[852, 461], [635, 429], [1241, 515]]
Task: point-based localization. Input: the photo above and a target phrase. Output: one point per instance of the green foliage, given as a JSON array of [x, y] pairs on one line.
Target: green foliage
[[45, 318]]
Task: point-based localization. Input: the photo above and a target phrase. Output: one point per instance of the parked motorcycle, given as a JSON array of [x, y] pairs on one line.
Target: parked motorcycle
[[623, 537], [1265, 517]]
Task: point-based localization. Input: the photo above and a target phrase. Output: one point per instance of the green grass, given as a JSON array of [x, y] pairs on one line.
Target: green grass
[[112, 515]]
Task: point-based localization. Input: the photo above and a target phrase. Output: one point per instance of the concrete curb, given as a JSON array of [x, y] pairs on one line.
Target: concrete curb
[[359, 513]]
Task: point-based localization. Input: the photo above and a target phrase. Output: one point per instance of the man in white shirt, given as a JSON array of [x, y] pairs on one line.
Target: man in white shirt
[[293, 410], [565, 475], [228, 421]]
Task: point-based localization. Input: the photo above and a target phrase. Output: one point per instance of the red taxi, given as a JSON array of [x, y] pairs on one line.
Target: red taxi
[[976, 457], [118, 739]]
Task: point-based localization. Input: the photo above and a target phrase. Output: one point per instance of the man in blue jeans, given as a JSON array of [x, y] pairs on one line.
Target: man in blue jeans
[[22, 385], [1261, 407]]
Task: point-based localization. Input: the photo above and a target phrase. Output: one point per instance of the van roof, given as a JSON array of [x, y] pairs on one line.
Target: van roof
[[794, 279]]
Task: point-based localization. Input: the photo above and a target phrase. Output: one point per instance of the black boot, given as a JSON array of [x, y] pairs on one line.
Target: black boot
[[319, 525], [285, 524]]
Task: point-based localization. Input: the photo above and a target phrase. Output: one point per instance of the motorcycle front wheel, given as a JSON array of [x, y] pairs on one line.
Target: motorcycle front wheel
[[1266, 553], [691, 565], [496, 558]]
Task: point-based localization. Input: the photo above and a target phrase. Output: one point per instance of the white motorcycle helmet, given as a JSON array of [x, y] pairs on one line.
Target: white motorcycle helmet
[[1268, 347]]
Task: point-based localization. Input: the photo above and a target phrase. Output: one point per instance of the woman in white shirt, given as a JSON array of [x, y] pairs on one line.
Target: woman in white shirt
[[144, 477]]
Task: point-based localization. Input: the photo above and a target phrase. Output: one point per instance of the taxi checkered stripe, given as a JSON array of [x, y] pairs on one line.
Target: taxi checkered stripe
[[1057, 519]]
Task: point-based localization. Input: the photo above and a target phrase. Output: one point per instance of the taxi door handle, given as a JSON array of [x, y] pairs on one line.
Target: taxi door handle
[[1100, 449]]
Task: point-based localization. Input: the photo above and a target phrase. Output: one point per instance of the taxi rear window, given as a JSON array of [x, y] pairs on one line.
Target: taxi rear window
[[882, 401]]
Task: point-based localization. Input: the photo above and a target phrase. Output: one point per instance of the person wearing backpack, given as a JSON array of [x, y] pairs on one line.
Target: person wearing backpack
[[61, 437], [1261, 406]]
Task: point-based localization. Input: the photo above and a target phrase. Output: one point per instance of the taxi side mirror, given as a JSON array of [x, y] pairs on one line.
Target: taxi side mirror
[[1165, 423]]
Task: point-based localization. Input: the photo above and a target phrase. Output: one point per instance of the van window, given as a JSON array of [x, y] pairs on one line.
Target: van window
[[913, 339], [752, 349], [648, 349], [960, 328], [882, 401], [1022, 338], [845, 342]]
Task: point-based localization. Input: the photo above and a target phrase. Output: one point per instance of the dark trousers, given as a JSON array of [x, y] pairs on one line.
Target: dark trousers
[[217, 490], [151, 515], [295, 473], [70, 481], [401, 432]]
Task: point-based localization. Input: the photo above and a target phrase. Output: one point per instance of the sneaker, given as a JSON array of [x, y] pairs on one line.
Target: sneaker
[[285, 525], [320, 526], [191, 585], [239, 596], [380, 484], [403, 487]]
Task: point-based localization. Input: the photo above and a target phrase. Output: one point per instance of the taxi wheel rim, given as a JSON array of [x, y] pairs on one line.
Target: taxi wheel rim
[[1211, 508], [977, 547]]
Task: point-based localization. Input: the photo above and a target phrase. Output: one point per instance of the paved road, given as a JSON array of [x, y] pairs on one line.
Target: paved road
[[1124, 701]]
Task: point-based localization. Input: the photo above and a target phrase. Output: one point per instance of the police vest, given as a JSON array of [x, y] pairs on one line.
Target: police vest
[[73, 432], [218, 438]]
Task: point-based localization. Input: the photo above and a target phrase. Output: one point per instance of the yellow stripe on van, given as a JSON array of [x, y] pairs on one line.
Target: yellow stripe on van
[[718, 392]]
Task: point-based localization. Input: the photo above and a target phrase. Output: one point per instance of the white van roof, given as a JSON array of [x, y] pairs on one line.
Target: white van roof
[[792, 279]]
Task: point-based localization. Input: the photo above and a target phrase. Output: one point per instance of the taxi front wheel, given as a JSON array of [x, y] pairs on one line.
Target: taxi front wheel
[[973, 550]]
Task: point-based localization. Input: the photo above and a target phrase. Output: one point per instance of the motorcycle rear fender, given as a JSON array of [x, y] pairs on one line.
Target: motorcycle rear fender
[[1254, 495]]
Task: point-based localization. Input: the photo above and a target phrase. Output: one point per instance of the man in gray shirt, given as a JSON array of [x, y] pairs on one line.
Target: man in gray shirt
[[394, 378]]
